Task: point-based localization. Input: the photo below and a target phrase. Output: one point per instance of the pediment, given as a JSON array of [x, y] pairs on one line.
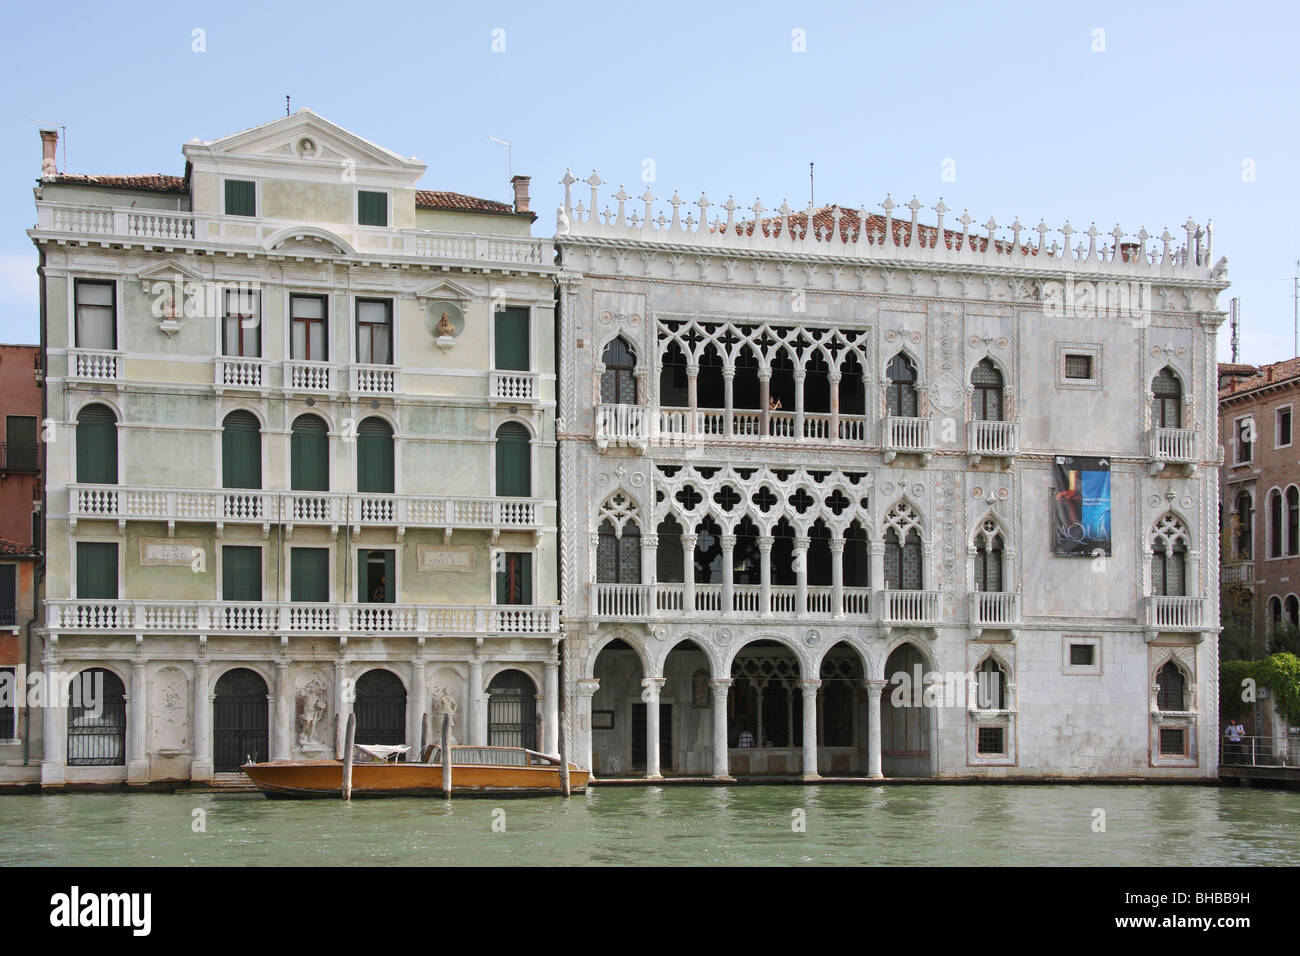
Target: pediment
[[167, 271], [308, 241], [446, 289]]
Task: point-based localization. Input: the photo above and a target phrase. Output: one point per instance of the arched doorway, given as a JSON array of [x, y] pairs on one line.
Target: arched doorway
[[765, 711], [240, 728], [97, 720], [686, 715], [512, 711], [380, 708], [841, 713], [904, 718], [615, 751]]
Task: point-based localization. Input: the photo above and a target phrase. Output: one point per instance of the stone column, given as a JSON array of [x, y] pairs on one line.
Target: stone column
[[875, 691], [809, 688], [764, 401], [477, 705], [587, 688], [765, 574], [650, 687], [688, 576], [834, 432], [202, 769], [693, 399], [801, 575], [551, 705], [728, 380], [720, 687], [418, 705], [54, 746], [799, 376], [877, 582], [137, 710], [728, 573], [837, 576], [342, 706], [649, 558], [281, 745]]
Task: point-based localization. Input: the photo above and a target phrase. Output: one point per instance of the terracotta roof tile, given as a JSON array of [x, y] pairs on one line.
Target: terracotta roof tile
[[14, 549], [157, 182], [437, 199], [1266, 376]]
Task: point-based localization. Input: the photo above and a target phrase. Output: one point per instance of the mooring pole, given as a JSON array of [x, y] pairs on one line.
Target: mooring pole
[[564, 756], [446, 756], [349, 744], [425, 733]]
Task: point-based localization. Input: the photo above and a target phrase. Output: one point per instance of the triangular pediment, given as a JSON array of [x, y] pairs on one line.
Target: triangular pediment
[[446, 289], [167, 271]]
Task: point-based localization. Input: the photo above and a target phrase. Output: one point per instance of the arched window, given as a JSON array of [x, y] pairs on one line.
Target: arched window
[[309, 454], [853, 396], [1167, 400], [96, 446], [512, 711], [1169, 557], [900, 394], [1291, 608], [903, 549], [514, 462], [1293, 520], [241, 451], [375, 457], [1171, 688], [708, 552], [986, 403], [1275, 524], [990, 686], [618, 549], [669, 560], [1245, 525], [96, 720], [988, 558], [617, 382], [747, 557], [1274, 614], [857, 557], [380, 707], [672, 380]]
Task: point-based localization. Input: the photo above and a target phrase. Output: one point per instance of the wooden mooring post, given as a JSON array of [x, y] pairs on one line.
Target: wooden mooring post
[[349, 746], [446, 756], [564, 756]]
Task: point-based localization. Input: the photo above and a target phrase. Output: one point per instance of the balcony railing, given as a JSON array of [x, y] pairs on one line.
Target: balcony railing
[[94, 365], [1260, 752], [126, 503], [300, 376], [621, 425], [915, 608], [994, 609], [677, 424], [1176, 613], [215, 617], [1241, 572], [993, 439], [1171, 446], [649, 601], [513, 386], [902, 435], [376, 379], [235, 372], [15, 457]]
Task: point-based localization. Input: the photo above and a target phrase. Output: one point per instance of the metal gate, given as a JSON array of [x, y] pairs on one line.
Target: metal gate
[[512, 711], [380, 708], [239, 720], [640, 736], [97, 720]]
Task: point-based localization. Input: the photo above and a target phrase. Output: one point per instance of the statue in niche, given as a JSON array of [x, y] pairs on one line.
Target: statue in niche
[[313, 702], [444, 704], [445, 327]]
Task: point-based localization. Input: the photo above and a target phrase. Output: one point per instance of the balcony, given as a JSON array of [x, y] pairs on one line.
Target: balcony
[[666, 601], [994, 610], [1171, 446], [992, 440], [222, 617], [1240, 573], [375, 379], [901, 435], [233, 372], [622, 426], [675, 425], [311, 377], [122, 503], [94, 365], [909, 608], [512, 387], [1184, 615]]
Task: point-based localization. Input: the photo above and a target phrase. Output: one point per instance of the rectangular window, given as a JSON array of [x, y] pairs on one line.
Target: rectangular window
[[307, 315], [96, 315], [20, 443], [241, 197], [511, 339], [1282, 431], [1245, 440], [242, 327], [97, 570], [372, 208], [375, 331], [991, 741], [515, 578], [1078, 366], [376, 577], [1082, 655], [310, 575], [8, 703], [8, 595], [1173, 742], [241, 574]]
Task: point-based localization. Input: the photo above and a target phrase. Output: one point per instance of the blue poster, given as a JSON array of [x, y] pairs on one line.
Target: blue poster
[[1081, 506]]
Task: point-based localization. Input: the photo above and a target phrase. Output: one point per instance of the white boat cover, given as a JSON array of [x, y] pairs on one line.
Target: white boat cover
[[380, 752]]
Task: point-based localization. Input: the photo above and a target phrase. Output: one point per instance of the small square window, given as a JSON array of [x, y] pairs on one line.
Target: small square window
[[1282, 434], [1173, 742], [372, 208], [241, 197], [1078, 366], [1083, 655], [991, 740]]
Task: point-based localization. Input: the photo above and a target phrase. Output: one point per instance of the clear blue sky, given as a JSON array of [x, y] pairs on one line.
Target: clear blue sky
[[1038, 125]]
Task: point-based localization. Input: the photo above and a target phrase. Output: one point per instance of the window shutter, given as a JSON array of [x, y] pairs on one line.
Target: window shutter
[[309, 578], [512, 339], [309, 465], [96, 446], [241, 574], [97, 570], [372, 208], [375, 457], [514, 477], [241, 198], [241, 451]]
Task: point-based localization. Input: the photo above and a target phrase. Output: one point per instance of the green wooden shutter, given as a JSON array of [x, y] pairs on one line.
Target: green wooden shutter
[[309, 455], [514, 472], [372, 208], [96, 446], [20, 442], [241, 451], [241, 198], [241, 574], [375, 457], [309, 575], [512, 339], [97, 570]]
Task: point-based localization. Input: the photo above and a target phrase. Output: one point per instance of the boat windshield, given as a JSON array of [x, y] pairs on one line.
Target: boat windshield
[[382, 753]]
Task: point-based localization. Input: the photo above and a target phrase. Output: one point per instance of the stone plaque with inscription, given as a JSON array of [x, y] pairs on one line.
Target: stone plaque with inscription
[[169, 552], [445, 559]]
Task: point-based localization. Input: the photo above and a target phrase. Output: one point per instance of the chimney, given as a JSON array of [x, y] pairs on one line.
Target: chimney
[[49, 148], [520, 184]]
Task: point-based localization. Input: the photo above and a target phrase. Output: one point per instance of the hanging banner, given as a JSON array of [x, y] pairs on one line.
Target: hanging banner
[[1081, 506]]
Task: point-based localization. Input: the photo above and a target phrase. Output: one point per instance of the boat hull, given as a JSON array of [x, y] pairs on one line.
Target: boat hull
[[303, 780]]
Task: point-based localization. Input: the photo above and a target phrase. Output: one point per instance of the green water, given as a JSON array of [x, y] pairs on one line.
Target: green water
[[943, 825]]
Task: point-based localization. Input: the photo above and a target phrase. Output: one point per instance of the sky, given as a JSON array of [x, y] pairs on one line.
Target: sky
[[1137, 114]]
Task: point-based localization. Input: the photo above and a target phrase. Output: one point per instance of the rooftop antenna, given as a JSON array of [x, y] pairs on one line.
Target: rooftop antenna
[[63, 137], [812, 189], [510, 157], [1235, 325], [286, 104]]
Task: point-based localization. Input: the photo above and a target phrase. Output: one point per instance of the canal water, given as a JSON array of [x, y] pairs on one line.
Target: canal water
[[782, 825]]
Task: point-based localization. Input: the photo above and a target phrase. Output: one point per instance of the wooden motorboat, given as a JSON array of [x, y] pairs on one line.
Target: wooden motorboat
[[381, 773]]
